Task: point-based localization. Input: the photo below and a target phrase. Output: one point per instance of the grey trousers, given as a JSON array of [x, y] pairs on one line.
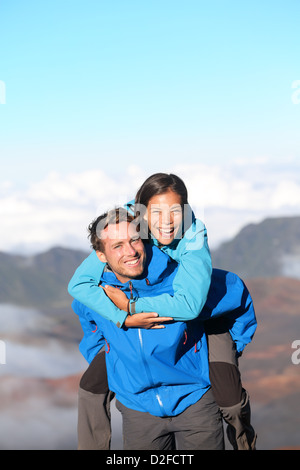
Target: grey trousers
[[94, 397], [199, 427], [94, 428]]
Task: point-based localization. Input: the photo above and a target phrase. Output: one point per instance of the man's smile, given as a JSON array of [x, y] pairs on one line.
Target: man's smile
[[133, 262]]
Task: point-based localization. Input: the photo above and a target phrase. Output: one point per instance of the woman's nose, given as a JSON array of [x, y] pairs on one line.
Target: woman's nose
[[166, 218]]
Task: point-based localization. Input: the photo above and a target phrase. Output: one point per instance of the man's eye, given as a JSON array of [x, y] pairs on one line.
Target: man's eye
[[134, 240]]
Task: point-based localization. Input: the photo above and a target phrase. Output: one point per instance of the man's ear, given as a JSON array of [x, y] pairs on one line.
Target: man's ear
[[101, 256]]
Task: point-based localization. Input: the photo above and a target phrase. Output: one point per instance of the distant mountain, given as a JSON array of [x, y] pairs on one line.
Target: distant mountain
[[38, 281], [268, 249], [268, 372]]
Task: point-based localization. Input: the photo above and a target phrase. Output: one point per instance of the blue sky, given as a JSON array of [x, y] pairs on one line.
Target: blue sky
[[111, 85]]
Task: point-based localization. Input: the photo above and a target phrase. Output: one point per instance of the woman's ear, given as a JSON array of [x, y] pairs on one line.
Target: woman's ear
[[101, 256]]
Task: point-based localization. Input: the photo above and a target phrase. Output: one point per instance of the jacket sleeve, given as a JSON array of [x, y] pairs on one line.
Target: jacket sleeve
[[93, 339], [191, 283], [84, 287], [243, 325]]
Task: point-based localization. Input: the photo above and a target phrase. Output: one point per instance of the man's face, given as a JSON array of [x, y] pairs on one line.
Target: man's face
[[124, 251]]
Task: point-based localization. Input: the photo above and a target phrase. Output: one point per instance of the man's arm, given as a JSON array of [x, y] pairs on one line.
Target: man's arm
[[243, 325], [93, 338]]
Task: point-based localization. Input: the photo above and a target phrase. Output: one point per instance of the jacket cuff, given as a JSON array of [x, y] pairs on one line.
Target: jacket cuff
[[123, 316]]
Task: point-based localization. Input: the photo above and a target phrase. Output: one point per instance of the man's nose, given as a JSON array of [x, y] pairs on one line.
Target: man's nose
[[130, 250]]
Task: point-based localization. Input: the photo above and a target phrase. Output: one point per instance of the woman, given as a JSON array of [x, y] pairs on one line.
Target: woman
[[162, 206]]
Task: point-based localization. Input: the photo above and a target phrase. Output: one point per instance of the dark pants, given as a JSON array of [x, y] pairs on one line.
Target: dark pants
[[199, 427]]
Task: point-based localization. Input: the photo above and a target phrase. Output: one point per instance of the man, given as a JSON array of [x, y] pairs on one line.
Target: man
[[155, 374]]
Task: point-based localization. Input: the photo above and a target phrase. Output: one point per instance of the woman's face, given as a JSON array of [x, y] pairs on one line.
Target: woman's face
[[164, 214]]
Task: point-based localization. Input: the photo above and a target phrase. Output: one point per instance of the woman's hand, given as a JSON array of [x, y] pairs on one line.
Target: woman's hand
[[117, 296], [147, 320]]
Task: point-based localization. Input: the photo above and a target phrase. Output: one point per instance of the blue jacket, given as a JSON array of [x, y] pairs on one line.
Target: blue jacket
[[229, 297], [160, 371], [191, 283]]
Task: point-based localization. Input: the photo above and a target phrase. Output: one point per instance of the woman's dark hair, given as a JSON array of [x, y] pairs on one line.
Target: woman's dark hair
[[160, 183]]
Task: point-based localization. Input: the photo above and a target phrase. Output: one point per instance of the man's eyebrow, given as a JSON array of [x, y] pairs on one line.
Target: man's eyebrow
[[118, 242]]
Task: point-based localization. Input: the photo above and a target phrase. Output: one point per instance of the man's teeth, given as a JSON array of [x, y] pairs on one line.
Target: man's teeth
[[131, 263]]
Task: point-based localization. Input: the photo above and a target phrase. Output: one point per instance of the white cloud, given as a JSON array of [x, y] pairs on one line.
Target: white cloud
[[58, 209], [230, 196], [30, 351]]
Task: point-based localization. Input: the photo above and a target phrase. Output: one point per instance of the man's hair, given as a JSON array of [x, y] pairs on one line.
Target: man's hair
[[112, 217]]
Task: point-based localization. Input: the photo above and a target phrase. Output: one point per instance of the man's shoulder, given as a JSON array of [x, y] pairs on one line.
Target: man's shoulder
[[160, 265], [155, 254], [77, 306]]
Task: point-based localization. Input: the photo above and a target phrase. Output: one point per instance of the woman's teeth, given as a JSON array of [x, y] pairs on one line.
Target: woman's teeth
[[166, 232]]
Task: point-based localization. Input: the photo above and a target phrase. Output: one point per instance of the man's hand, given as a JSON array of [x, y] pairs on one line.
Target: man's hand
[[148, 320], [117, 296]]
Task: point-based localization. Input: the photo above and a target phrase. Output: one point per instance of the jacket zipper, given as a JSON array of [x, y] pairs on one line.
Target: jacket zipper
[[130, 287], [157, 396]]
